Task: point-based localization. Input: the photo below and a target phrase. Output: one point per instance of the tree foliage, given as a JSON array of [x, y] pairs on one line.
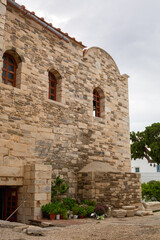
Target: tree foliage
[[146, 143], [151, 191]]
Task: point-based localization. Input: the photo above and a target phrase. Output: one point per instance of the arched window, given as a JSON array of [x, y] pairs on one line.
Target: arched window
[[9, 70], [96, 104], [52, 86]]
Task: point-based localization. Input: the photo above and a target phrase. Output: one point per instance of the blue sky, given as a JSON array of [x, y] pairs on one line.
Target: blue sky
[[129, 31]]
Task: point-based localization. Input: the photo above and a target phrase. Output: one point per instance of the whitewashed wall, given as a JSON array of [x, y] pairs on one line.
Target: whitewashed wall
[[143, 165], [147, 177]]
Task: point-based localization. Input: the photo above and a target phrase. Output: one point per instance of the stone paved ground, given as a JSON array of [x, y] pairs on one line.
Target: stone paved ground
[[141, 228]]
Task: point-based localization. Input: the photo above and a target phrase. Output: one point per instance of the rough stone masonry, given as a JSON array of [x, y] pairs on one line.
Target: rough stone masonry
[[41, 138]]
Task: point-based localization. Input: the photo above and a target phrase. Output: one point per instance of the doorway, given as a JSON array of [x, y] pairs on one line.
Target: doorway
[[8, 203]]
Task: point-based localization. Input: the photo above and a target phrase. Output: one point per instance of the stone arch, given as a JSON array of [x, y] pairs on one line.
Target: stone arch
[[58, 78], [15, 53], [102, 53], [18, 59]]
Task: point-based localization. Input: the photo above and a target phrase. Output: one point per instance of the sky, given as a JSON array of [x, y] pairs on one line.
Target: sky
[[129, 31]]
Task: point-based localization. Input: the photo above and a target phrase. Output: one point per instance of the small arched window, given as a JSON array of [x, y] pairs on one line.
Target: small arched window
[[9, 70], [96, 104], [52, 86]]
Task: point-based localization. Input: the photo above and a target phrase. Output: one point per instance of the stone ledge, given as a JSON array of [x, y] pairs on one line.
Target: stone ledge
[[57, 103]]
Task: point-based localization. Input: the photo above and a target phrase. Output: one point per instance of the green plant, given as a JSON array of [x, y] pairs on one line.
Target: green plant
[[52, 209], [69, 202], [58, 187], [151, 191], [90, 209], [63, 212], [75, 209], [57, 208], [82, 211], [90, 202], [46, 210]]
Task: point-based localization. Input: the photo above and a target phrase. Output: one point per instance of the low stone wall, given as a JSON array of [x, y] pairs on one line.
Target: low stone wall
[[111, 188]]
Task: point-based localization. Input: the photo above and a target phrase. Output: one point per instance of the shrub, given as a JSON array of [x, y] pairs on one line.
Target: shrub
[[99, 210], [90, 202], [59, 187], [69, 203], [151, 191]]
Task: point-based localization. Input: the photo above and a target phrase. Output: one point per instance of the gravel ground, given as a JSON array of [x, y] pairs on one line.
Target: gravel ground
[[133, 228]]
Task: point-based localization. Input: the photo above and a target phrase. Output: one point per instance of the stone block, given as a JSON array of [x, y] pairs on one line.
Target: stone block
[[40, 196], [130, 213], [20, 228], [35, 231], [120, 213], [2, 9], [154, 206], [46, 224], [128, 207]]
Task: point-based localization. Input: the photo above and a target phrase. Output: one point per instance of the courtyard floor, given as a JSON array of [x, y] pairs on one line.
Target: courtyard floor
[[133, 228]]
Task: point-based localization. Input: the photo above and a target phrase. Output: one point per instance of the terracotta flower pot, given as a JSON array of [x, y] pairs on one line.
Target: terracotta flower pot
[[52, 216]]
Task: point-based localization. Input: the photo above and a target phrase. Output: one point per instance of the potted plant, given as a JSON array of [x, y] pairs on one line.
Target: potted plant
[[45, 210], [75, 210], [82, 212], [57, 212], [63, 213], [90, 210], [100, 211], [69, 214], [52, 211]]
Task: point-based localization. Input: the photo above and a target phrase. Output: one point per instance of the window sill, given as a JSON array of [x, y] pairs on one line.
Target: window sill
[[9, 87], [99, 120], [57, 103]]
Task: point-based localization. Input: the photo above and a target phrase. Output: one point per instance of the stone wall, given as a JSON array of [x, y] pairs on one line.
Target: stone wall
[[64, 133], [2, 24], [111, 189]]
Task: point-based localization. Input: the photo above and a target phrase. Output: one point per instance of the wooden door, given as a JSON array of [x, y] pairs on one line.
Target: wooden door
[[10, 204]]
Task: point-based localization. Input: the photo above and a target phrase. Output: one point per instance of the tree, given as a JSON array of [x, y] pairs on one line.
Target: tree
[[146, 144], [151, 191]]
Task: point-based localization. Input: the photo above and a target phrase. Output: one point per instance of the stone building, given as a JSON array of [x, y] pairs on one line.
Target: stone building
[[63, 111]]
